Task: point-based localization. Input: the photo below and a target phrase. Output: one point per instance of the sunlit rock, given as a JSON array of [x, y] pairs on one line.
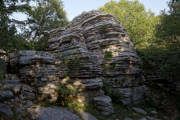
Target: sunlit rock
[[95, 46]]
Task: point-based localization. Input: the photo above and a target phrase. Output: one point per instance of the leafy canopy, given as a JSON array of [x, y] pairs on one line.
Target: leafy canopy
[[132, 15], [9, 39]]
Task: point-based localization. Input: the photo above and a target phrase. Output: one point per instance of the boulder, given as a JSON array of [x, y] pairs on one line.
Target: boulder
[[139, 110], [6, 110], [52, 113], [104, 104]]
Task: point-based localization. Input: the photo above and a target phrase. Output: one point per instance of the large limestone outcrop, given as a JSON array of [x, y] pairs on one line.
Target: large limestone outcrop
[[93, 55], [96, 52]]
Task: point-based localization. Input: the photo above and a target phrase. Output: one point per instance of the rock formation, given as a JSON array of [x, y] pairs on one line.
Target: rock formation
[[93, 55], [37, 69], [100, 53]]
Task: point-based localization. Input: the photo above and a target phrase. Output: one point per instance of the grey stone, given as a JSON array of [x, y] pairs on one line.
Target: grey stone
[[52, 113], [92, 35], [139, 110], [154, 112], [16, 88], [30, 57], [131, 94], [143, 119], [29, 103], [87, 116], [104, 104], [27, 93], [128, 118], [151, 118], [5, 95], [6, 110]]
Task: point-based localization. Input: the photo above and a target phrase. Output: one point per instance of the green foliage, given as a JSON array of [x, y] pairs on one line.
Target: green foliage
[[68, 96], [47, 15], [132, 15], [33, 32], [78, 106], [162, 57], [74, 62], [164, 53], [177, 118], [40, 45], [9, 39], [157, 39], [169, 27], [108, 55], [108, 66]]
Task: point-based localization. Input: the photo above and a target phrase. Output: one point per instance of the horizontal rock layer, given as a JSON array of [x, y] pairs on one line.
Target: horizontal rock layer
[[95, 45]]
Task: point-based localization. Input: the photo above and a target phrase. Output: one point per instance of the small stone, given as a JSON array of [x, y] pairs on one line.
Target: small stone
[[154, 112], [104, 104], [143, 119], [87, 116], [6, 110], [139, 110], [127, 118], [151, 118]]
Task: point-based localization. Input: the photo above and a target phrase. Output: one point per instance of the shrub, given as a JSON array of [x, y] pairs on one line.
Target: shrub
[[108, 55]]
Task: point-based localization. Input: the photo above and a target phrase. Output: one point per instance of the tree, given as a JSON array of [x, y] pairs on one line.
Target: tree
[[164, 54], [169, 25], [46, 15], [9, 38], [132, 15]]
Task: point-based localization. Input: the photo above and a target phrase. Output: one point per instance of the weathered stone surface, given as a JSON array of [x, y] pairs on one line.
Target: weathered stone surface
[[143, 119], [87, 116], [3, 55], [5, 95], [129, 95], [139, 110], [52, 113], [6, 110], [95, 45], [104, 104], [96, 55], [27, 93], [127, 118], [38, 70], [15, 88], [151, 118], [30, 57]]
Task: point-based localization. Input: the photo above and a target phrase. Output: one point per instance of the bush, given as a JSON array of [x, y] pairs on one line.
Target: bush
[[108, 55], [163, 58], [68, 96]]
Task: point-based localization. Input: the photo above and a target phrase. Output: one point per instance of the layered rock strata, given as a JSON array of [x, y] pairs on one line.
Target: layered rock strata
[[95, 47], [93, 56], [36, 69]]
